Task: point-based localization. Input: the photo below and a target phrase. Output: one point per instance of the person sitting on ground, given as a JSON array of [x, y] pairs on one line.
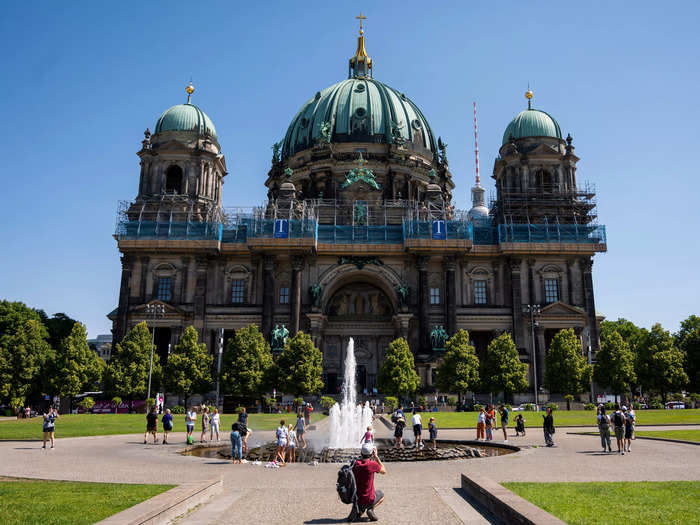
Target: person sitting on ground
[[519, 425], [368, 437], [417, 422], [151, 426], [281, 433], [167, 425], [432, 428], [398, 432], [364, 470]]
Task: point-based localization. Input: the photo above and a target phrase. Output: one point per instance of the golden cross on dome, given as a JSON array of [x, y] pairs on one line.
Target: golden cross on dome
[[361, 18]]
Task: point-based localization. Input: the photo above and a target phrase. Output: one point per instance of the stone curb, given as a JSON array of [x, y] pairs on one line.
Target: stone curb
[[163, 508], [504, 504], [669, 440]]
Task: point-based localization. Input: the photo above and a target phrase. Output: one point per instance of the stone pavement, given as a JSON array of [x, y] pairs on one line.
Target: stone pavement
[[415, 492]]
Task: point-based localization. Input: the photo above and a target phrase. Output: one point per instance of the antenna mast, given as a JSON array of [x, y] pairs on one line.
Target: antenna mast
[[476, 147]]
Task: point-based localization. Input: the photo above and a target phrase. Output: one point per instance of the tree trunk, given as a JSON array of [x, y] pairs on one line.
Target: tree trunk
[[568, 404]]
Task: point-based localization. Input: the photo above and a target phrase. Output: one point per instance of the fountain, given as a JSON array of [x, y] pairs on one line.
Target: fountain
[[348, 419]]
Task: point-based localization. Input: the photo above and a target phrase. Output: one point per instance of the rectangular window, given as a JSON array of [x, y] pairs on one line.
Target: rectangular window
[[551, 290], [479, 292], [165, 286], [435, 296], [284, 295], [237, 291]]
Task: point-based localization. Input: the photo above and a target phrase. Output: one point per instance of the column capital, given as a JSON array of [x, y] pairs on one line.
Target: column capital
[[422, 262], [297, 262], [586, 264], [515, 265], [269, 263], [449, 263]]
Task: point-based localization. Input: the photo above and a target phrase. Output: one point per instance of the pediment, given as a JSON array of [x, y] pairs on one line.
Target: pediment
[[562, 309], [544, 149], [169, 308]]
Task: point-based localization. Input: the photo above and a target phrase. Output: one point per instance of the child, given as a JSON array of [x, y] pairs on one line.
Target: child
[[368, 437], [291, 444], [432, 428], [519, 425]]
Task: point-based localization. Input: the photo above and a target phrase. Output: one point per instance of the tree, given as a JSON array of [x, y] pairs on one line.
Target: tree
[[77, 368], [651, 369], [502, 370], [188, 369], [614, 366], [688, 340], [59, 327], [629, 332], [397, 375], [247, 363], [459, 370], [127, 373], [566, 369], [299, 369]]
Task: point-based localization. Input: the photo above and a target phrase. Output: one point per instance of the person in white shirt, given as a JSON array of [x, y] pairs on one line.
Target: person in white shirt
[[190, 420], [215, 419], [417, 429]]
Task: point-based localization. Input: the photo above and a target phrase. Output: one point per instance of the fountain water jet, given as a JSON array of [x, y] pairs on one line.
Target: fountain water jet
[[348, 419]]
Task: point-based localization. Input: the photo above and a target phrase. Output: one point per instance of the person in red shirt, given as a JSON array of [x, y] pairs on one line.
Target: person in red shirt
[[364, 470]]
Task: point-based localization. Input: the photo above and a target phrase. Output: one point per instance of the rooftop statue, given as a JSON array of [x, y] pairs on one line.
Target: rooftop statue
[[438, 338], [280, 334], [360, 174], [315, 292]]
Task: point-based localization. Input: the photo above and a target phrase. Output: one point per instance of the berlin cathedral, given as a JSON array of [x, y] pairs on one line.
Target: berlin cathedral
[[359, 237]]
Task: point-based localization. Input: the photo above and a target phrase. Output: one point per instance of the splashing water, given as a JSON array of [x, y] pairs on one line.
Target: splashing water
[[349, 420]]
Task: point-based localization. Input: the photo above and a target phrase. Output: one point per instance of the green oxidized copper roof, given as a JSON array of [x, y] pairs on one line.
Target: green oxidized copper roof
[[359, 109], [532, 123], [186, 117]]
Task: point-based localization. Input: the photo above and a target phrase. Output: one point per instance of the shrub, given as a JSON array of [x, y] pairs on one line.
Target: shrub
[[391, 403], [529, 407], [422, 401], [656, 404], [8, 412], [451, 401], [510, 408], [677, 397], [478, 407], [553, 406], [87, 403], [178, 409], [327, 402], [298, 401], [609, 405], [636, 405], [116, 401], [150, 403], [589, 406]]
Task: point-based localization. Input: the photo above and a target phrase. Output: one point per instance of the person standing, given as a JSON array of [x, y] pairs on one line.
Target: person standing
[[281, 433], [151, 426], [519, 425], [618, 420], [190, 419], [417, 422], [205, 424], [503, 410], [633, 416], [307, 413], [301, 427], [628, 431], [548, 427], [398, 432], [243, 424], [481, 425], [432, 428], [364, 470], [368, 437], [167, 425], [604, 429], [236, 443], [291, 444], [50, 425], [490, 416], [215, 420]]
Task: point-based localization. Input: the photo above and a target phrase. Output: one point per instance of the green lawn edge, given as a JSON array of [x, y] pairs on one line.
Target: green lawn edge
[[69, 503]]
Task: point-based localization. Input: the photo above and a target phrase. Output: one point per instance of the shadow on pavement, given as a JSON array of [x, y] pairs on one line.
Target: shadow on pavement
[[320, 521]]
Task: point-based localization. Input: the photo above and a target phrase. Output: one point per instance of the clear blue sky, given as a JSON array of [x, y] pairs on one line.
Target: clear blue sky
[[82, 80]]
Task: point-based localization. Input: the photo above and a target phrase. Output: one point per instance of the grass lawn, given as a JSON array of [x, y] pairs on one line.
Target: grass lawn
[[684, 435], [70, 503], [565, 418], [105, 424], [631, 503]]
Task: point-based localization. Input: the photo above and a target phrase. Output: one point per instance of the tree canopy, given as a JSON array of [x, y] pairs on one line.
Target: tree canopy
[[77, 368], [688, 340], [247, 363], [566, 369], [459, 370], [188, 369], [502, 370], [614, 368], [659, 363], [629, 332], [299, 369], [397, 374], [127, 373]]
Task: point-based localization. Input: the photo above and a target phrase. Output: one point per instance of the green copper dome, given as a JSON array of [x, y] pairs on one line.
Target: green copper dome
[[532, 123], [359, 109], [186, 117]]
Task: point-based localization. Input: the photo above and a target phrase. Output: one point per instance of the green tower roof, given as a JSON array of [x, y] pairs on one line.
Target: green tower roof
[[186, 117], [532, 123]]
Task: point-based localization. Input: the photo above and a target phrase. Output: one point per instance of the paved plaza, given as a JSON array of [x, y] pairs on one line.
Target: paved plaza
[[425, 492]]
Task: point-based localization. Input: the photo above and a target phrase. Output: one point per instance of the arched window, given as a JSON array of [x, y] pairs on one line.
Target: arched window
[[173, 179], [544, 180]]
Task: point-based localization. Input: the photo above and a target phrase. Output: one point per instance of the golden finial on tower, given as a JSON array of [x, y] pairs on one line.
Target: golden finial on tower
[[189, 89], [361, 18], [528, 96], [360, 64]]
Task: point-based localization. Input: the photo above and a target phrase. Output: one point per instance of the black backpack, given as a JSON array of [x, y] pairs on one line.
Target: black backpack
[[619, 420], [346, 487]]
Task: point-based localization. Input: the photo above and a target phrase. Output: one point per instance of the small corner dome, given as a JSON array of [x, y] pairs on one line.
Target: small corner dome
[[186, 117], [478, 212], [532, 123]]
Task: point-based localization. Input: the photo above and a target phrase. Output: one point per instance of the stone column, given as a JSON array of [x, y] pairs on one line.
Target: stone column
[[449, 266], [124, 293], [268, 294], [183, 277], [200, 297], [517, 302], [295, 294], [587, 273], [402, 322], [144, 277], [500, 285], [539, 352], [423, 302], [569, 282], [531, 281]]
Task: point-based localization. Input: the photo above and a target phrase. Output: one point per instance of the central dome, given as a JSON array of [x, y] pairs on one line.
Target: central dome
[[358, 110]]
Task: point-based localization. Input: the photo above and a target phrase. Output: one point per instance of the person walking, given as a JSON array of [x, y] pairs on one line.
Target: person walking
[[503, 411], [367, 437], [215, 420], [618, 420], [490, 416], [167, 421], [190, 420], [301, 428], [417, 423], [49, 425], [236, 443], [205, 424], [244, 430], [364, 469], [604, 429], [291, 444], [432, 429], [633, 416], [151, 426], [281, 434], [398, 432], [481, 425], [307, 413], [629, 422], [548, 427]]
